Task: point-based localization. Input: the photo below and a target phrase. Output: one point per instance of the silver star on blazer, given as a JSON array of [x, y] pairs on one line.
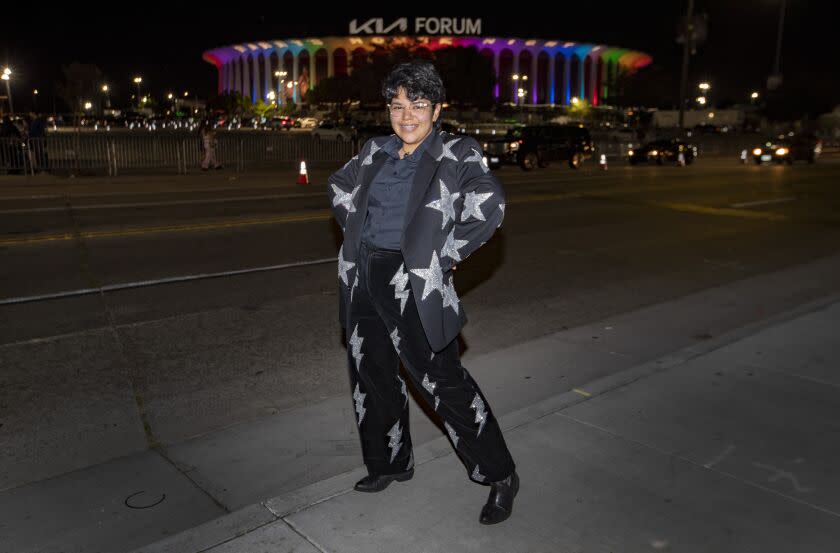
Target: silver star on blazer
[[355, 285], [450, 298], [447, 152], [477, 476], [352, 159], [433, 277], [403, 389], [452, 435], [374, 147], [446, 204], [344, 199], [344, 266], [472, 203], [477, 158], [452, 245], [395, 339]]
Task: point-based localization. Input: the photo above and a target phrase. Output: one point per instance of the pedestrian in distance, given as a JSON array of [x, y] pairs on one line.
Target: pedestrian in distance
[[209, 143]]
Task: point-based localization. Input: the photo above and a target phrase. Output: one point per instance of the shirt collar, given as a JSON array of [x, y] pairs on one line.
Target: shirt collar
[[392, 148]]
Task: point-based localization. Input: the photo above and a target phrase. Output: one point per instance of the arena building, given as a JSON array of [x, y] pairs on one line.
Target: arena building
[[537, 71]]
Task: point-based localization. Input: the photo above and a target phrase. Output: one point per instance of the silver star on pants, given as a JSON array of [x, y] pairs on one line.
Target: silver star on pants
[[360, 403], [480, 415], [396, 439]]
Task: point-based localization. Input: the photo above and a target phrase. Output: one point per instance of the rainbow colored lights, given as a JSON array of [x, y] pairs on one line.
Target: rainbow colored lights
[[557, 70]]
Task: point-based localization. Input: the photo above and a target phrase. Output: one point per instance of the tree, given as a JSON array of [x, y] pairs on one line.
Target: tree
[[80, 83], [467, 75]]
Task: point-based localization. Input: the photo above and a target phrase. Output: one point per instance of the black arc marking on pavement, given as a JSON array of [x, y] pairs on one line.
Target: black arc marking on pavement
[[149, 506]]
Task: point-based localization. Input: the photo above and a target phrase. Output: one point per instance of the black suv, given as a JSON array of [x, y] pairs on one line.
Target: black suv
[[534, 146]]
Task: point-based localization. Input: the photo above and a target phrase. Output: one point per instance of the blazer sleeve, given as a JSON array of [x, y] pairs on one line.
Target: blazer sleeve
[[341, 187], [482, 200]]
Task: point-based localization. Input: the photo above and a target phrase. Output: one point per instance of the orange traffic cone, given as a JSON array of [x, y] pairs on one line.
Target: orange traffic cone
[[303, 176], [603, 162]]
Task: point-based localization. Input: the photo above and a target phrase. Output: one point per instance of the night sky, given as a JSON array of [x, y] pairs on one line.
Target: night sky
[[165, 47]]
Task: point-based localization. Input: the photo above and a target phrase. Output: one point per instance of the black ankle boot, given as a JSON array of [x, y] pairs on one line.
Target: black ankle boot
[[499, 504], [372, 484]]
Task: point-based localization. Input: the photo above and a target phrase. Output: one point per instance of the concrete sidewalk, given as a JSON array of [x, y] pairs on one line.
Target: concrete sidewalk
[[730, 445]]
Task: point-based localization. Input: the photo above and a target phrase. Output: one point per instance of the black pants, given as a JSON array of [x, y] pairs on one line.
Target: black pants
[[383, 328]]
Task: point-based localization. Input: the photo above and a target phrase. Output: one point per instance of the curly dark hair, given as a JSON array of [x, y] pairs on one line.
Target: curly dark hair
[[418, 78]]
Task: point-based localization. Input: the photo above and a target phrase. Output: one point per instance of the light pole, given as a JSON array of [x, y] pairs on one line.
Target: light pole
[[35, 100], [7, 76], [281, 78], [138, 81], [106, 90]]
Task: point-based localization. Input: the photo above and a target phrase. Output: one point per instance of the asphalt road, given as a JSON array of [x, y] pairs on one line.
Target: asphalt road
[[145, 311]]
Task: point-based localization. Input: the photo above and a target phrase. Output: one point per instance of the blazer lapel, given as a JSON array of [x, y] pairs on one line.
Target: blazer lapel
[[366, 176], [426, 170]]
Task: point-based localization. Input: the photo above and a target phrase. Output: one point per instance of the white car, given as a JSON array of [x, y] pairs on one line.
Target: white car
[[307, 122], [328, 130]]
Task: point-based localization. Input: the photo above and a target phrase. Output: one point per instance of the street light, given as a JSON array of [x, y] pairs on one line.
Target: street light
[[704, 86], [138, 81], [7, 76], [106, 90], [754, 95], [281, 78], [575, 100], [35, 100], [701, 100]]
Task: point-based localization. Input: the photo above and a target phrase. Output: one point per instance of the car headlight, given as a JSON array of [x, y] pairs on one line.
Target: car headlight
[[654, 153], [757, 152], [781, 151]]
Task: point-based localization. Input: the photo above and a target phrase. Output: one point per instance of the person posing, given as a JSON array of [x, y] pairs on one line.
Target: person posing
[[412, 206]]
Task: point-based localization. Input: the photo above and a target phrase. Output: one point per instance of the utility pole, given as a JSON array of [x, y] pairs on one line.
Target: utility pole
[[688, 44], [775, 80]]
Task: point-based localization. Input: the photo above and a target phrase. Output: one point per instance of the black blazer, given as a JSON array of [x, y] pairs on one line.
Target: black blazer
[[455, 205]]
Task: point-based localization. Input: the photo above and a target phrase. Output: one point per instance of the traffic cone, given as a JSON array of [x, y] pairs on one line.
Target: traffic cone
[[303, 176], [602, 163]]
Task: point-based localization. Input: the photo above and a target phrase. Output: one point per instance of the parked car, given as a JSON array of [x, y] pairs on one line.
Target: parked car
[[280, 122], [329, 130], [787, 149], [663, 151], [535, 146], [306, 122]]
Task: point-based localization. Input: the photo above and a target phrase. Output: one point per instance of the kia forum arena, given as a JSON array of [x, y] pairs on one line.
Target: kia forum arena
[[557, 71]]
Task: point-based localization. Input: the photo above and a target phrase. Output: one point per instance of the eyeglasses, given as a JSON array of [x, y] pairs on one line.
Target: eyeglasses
[[417, 109]]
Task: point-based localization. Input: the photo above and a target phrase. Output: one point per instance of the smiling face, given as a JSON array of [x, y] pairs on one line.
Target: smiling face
[[412, 119]]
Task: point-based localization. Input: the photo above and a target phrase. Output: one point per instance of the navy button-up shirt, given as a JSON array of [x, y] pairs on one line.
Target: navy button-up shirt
[[388, 195]]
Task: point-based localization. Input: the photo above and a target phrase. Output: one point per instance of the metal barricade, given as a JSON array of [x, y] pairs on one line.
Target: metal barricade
[[122, 152]]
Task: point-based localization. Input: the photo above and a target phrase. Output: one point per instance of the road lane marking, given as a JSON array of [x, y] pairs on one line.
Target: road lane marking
[[581, 392], [763, 202], [167, 280], [724, 211], [322, 215], [87, 207]]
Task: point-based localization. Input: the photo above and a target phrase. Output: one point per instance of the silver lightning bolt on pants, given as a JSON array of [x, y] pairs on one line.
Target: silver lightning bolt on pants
[[384, 329]]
